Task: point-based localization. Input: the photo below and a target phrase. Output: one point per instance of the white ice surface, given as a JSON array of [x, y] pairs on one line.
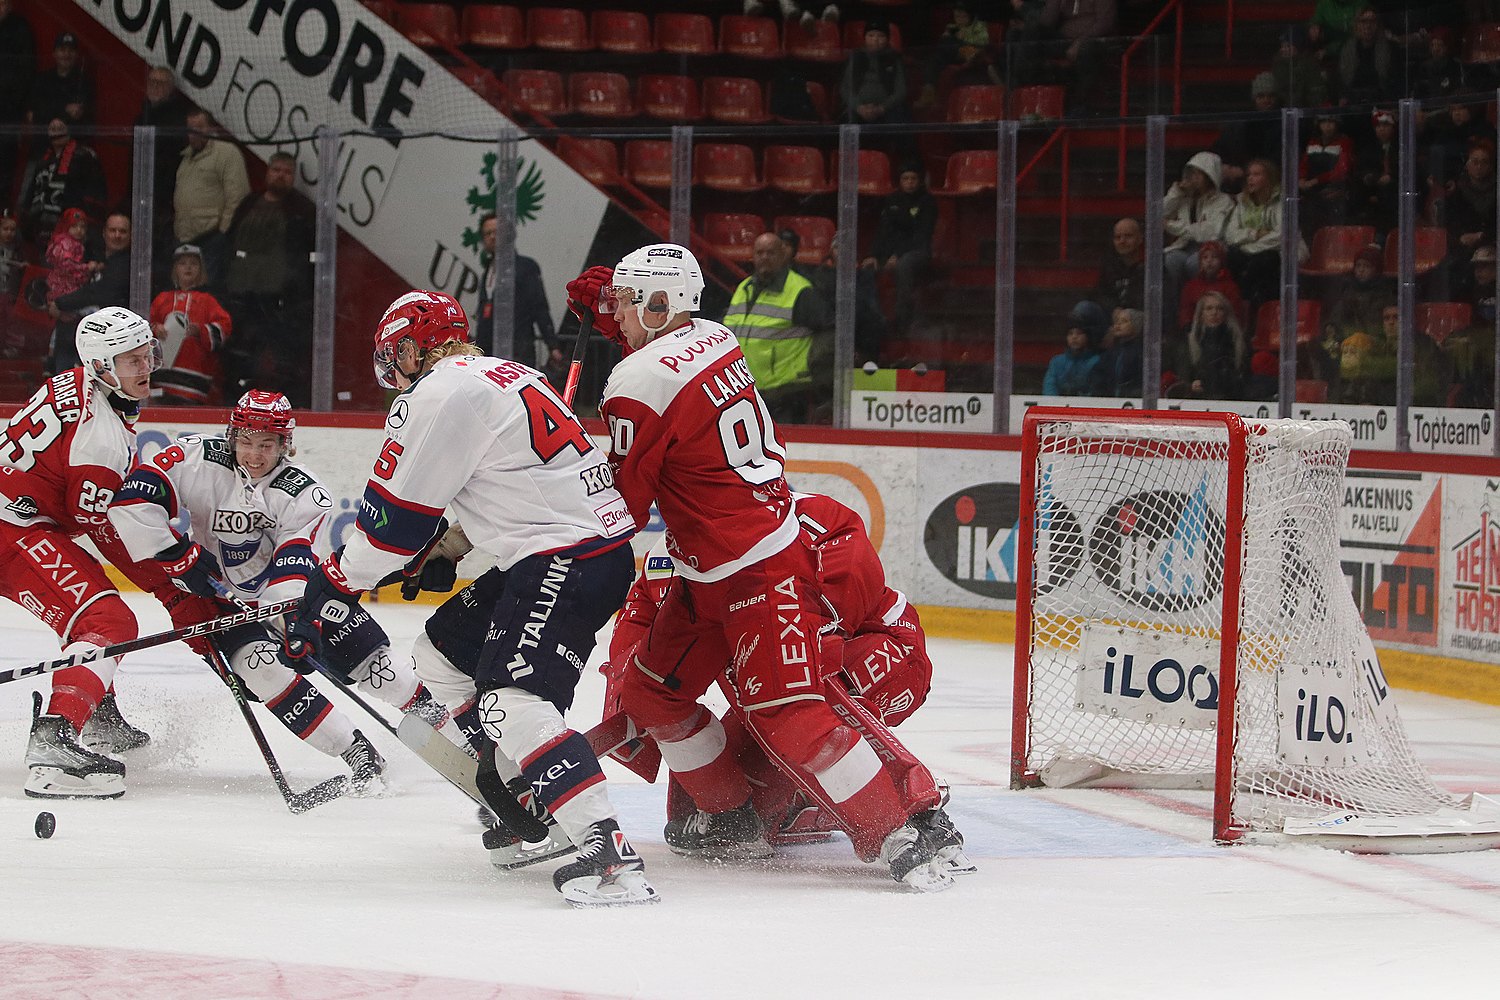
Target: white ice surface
[[199, 883]]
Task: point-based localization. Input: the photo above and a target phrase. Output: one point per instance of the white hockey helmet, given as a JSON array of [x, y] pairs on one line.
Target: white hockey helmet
[[107, 333], [660, 267]]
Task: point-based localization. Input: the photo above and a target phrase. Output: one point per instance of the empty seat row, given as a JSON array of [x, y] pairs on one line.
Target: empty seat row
[[565, 29], [1335, 247], [665, 97], [798, 170], [732, 234]]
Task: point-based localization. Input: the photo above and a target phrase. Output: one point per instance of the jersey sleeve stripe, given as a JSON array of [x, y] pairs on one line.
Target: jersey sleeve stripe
[[395, 527]]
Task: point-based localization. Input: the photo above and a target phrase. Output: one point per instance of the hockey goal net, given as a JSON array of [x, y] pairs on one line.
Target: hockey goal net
[[1182, 620]]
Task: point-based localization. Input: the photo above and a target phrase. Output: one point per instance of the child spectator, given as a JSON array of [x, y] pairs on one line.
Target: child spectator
[[1193, 210], [1378, 169], [1213, 276], [1327, 163], [1119, 369], [192, 326], [1253, 235], [1359, 299], [67, 269], [1299, 78], [1216, 356], [903, 240], [874, 80], [1071, 373], [1441, 75], [964, 43]]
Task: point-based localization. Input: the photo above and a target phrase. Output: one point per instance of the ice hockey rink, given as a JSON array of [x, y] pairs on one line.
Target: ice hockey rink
[[200, 884]]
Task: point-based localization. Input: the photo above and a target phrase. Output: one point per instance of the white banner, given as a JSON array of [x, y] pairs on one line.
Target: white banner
[[881, 410], [274, 72]]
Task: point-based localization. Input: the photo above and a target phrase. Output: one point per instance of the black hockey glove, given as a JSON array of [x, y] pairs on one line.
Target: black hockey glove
[[435, 565], [192, 568], [438, 575], [327, 601]]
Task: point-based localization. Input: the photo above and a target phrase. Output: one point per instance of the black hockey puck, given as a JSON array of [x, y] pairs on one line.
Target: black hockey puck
[[45, 824]]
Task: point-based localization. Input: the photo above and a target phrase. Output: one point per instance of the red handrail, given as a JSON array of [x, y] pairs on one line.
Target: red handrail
[[1140, 40], [1065, 135]]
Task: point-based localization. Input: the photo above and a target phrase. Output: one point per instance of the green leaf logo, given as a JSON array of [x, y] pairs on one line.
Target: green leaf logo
[[530, 193]]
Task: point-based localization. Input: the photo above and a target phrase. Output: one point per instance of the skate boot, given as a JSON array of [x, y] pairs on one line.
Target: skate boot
[[108, 732], [607, 871], [62, 768], [366, 767], [921, 852], [734, 835]]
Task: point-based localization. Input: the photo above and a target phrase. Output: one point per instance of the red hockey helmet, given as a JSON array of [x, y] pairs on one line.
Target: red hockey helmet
[[427, 319], [261, 410]]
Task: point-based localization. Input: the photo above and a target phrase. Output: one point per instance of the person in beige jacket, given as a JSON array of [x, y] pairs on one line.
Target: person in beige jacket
[[211, 182]]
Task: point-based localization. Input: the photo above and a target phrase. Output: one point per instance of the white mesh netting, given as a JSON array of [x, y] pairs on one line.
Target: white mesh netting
[[1127, 615]]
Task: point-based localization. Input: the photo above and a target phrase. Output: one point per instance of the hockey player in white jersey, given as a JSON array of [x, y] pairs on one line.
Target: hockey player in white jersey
[[259, 527], [490, 439], [254, 522]]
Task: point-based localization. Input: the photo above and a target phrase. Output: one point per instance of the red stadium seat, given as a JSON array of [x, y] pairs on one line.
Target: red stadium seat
[[1335, 247], [648, 162], [725, 167], [560, 29], [749, 37], [622, 31], [1431, 246], [816, 234], [874, 172], [736, 99], [976, 104], [430, 25], [1439, 319], [495, 27], [536, 91], [970, 171], [1483, 44], [600, 95], [597, 160], [685, 34], [854, 35], [733, 234], [670, 98], [1045, 102], [815, 41], [798, 169], [1268, 324]]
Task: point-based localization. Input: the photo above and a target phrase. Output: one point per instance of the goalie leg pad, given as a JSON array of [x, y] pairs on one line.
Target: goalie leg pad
[[557, 762], [698, 753], [894, 675]]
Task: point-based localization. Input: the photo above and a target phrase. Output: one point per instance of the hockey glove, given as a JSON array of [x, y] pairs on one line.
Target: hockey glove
[[585, 299], [327, 600], [192, 568], [435, 567]]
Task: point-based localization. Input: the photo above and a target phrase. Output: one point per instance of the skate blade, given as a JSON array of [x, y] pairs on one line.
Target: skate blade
[[725, 855], [625, 889], [956, 862], [523, 853], [928, 878], [55, 783]]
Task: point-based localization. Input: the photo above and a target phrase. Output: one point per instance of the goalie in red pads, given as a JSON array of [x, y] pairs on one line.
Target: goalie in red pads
[[689, 431]]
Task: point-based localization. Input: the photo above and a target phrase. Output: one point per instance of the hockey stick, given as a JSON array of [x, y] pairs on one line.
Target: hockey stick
[[243, 617], [297, 802], [618, 737], [580, 347]]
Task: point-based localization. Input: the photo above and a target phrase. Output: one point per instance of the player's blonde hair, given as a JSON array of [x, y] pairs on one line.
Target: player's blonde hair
[[448, 349]]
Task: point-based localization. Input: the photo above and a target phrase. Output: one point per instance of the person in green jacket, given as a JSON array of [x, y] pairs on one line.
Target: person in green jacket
[[785, 330]]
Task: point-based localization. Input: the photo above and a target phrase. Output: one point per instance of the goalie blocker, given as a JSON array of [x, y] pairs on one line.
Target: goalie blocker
[[1182, 620]]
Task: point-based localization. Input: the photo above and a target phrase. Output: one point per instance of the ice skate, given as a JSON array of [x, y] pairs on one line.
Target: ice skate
[[922, 852], [509, 850], [607, 872], [59, 767], [366, 767], [108, 732], [733, 835]]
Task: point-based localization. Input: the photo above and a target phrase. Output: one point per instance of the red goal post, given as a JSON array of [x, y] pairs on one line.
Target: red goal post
[[1182, 620]]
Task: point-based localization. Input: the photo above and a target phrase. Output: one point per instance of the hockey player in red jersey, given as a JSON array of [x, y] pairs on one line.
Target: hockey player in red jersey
[[491, 440], [62, 458], [689, 432], [877, 650]]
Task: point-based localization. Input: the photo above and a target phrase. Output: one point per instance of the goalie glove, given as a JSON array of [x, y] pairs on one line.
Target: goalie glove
[[586, 299], [192, 568], [327, 600]]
